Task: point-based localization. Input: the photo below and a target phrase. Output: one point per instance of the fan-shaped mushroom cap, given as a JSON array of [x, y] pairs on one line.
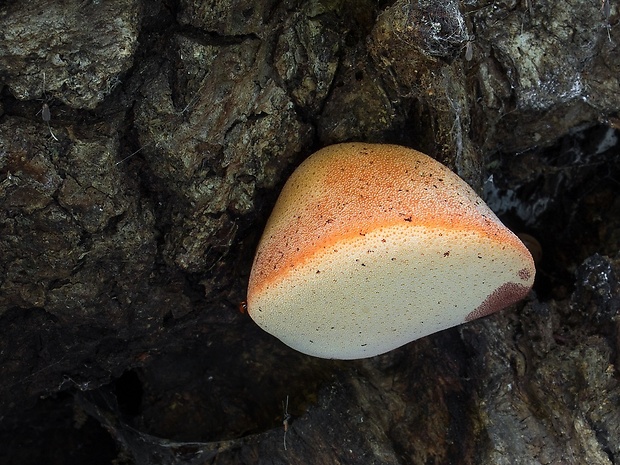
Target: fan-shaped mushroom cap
[[370, 247]]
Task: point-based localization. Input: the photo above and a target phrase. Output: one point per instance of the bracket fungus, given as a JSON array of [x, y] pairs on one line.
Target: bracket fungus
[[372, 246]]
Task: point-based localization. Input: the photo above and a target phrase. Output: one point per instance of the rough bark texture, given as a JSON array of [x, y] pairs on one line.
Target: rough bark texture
[[142, 145]]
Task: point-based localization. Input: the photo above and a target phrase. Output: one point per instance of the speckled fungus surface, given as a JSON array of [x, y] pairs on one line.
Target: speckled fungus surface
[[370, 247]]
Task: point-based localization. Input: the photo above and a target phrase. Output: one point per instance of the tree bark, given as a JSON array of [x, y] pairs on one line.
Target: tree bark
[[142, 146]]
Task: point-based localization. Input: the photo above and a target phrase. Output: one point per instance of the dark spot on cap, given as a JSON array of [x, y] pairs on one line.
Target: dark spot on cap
[[524, 274]]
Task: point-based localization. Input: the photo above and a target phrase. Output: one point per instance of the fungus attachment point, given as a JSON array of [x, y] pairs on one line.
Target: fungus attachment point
[[370, 247]]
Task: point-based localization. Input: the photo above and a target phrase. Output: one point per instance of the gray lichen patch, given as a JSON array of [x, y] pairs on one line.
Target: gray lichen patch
[[230, 133], [545, 70], [46, 50], [72, 223], [307, 54], [234, 18]]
